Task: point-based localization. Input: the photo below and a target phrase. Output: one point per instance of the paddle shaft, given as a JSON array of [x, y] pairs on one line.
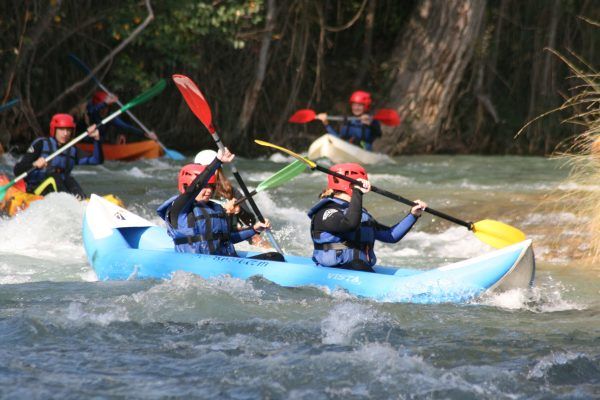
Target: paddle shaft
[[341, 118], [246, 192], [393, 196], [101, 86], [9, 104], [244, 198]]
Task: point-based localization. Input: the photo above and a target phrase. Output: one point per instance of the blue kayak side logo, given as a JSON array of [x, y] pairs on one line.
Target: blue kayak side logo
[[120, 216], [353, 279]]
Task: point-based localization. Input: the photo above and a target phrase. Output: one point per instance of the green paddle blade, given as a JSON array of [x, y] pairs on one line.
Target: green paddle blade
[[282, 176], [147, 95]]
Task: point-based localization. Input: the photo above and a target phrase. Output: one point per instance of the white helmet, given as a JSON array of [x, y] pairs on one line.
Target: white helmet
[[205, 157]]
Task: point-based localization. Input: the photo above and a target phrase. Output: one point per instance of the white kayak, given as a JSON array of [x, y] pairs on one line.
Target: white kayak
[[340, 151]]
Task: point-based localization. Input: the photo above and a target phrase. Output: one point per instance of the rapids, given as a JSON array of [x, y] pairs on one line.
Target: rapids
[[66, 335]]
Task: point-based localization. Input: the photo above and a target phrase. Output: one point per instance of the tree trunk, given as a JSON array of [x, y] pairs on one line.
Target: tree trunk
[[429, 60], [254, 90], [365, 61]]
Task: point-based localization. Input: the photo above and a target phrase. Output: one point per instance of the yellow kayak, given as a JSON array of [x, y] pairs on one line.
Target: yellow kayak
[[17, 199]]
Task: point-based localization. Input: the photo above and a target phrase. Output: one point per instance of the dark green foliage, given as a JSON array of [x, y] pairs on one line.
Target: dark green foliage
[[217, 44]]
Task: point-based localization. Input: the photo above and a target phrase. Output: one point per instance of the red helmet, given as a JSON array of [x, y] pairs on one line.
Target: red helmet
[[99, 97], [351, 170], [61, 121], [361, 97], [188, 173]]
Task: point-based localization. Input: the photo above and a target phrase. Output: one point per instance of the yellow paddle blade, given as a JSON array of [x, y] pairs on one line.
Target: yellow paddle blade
[[497, 234], [297, 156]]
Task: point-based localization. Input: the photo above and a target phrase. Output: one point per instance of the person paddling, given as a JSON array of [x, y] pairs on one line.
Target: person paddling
[[56, 174], [343, 232], [97, 109], [362, 130], [199, 225], [226, 194]]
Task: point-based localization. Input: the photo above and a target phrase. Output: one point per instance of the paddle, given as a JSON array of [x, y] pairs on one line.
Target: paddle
[[199, 106], [9, 104], [386, 116], [494, 233], [173, 154], [147, 95], [282, 176]]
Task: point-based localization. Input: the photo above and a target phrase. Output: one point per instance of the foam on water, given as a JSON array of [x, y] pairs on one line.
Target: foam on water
[[44, 242], [345, 319], [552, 218], [545, 297], [453, 243], [87, 171], [48, 229], [566, 367], [138, 173], [281, 158]]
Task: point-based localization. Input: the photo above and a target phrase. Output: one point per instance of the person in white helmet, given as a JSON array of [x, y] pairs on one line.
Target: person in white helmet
[[227, 194]]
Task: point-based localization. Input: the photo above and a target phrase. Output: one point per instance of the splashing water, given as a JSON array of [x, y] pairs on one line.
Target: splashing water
[[67, 335]]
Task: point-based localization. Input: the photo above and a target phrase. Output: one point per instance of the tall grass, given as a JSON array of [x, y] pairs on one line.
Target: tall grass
[[581, 190]]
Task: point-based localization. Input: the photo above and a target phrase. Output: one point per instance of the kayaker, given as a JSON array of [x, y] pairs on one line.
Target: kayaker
[[97, 109], [198, 224], [226, 194], [343, 232], [361, 130], [56, 174]]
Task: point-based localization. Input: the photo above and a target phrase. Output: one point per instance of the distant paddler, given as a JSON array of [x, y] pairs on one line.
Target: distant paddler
[[55, 175], [360, 128], [97, 109]]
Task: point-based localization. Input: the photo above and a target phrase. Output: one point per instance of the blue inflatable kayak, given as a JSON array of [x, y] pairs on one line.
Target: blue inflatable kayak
[[121, 245]]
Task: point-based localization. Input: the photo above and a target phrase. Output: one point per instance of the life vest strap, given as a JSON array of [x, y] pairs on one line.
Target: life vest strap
[[339, 246], [201, 238]]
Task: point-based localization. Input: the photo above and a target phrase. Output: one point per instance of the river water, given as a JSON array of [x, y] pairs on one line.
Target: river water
[[63, 334]]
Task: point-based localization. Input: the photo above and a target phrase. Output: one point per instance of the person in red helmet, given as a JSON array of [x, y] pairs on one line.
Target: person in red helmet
[[199, 225], [57, 172], [343, 232], [97, 109], [361, 130]]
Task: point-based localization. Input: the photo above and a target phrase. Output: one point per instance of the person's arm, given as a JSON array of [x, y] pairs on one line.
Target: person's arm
[[331, 131], [241, 235], [93, 110], [397, 232], [184, 200], [121, 124], [336, 221], [97, 156], [26, 162]]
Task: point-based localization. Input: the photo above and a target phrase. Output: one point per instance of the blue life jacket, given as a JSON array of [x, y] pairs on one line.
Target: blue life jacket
[[338, 249], [358, 133], [62, 164], [203, 231]]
